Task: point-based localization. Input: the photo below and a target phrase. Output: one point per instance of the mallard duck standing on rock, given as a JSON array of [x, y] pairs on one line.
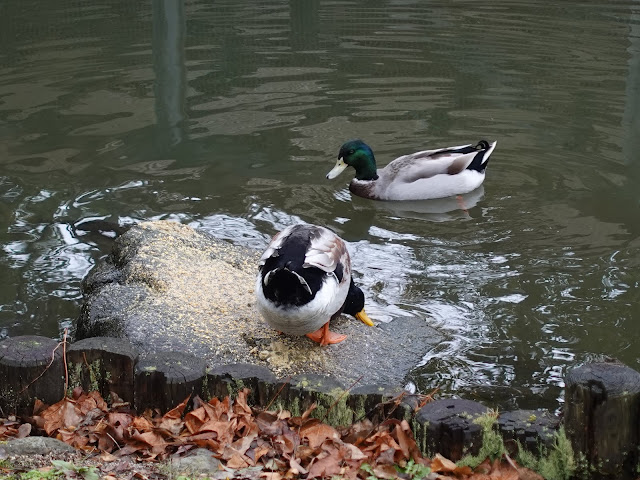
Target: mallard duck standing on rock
[[419, 176], [305, 281]]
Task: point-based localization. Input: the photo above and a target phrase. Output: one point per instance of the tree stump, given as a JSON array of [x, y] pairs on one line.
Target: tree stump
[[377, 402], [30, 368], [226, 380], [165, 379], [105, 364], [531, 429], [602, 418], [447, 427], [329, 395]]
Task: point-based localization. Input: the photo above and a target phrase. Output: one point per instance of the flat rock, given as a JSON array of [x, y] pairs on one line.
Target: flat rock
[[198, 461], [35, 446], [168, 287]]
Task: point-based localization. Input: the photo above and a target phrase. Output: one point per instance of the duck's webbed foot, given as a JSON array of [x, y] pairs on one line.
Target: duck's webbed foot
[[461, 204], [324, 336]]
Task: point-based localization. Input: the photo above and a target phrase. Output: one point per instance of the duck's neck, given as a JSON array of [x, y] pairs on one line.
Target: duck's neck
[[365, 166]]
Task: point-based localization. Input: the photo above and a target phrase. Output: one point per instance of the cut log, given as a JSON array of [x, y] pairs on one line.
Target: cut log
[[30, 367], [449, 429], [602, 418], [165, 379], [530, 429], [105, 364], [378, 402], [224, 380]]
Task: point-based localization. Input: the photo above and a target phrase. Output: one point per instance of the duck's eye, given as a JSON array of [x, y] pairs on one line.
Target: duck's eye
[[351, 152]]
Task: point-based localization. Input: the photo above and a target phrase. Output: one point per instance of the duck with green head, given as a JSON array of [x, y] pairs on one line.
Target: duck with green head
[[422, 175]]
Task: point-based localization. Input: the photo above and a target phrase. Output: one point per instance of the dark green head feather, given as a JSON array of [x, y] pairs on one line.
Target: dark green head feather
[[359, 155]]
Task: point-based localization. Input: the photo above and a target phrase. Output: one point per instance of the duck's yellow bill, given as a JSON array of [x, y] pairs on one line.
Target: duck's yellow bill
[[364, 318], [337, 170]]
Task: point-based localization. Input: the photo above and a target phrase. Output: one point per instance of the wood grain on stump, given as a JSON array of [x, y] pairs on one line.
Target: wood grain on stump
[[165, 379], [602, 418], [226, 380], [105, 364], [23, 360]]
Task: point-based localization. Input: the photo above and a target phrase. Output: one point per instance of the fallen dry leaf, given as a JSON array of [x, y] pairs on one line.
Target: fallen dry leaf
[[63, 414], [327, 464], [271, 475], [317, 433], [284, 446], [385, 471], [441, 464], [351, 452], [24, 430]]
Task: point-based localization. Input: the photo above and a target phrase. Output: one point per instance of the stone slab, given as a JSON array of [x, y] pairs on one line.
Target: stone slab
[[168, 287]]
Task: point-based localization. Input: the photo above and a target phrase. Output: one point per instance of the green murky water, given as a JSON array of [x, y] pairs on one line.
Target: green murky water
[[227, 116]]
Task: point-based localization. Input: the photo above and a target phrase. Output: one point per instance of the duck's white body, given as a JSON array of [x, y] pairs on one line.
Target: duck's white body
[[307, 318], [316, 249]]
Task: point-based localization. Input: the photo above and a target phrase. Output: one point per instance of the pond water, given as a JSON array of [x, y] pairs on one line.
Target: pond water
[[227, 116]]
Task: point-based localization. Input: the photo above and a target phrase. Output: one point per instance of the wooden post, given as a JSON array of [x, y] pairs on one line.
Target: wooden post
[[602, 418], [531, 429], [449, 429], [375, 402], [164, 379], [223, 380], [30, 367], [105, 364]]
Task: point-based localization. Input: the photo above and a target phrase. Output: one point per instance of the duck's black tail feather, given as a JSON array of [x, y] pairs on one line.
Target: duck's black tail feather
[[481, 160], [286, 287]]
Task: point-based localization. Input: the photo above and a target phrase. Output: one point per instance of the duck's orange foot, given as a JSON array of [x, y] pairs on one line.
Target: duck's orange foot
[[324, 336], [461, 204]]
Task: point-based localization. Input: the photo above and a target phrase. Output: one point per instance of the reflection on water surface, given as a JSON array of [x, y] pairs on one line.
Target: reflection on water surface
[[228, 116]]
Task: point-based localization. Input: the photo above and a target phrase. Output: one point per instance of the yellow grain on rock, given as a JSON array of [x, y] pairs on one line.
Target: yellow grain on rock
[[209, 289]]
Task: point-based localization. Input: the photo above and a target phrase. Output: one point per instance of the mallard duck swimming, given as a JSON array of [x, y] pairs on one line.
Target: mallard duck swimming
[[418, 176], [305, 280]]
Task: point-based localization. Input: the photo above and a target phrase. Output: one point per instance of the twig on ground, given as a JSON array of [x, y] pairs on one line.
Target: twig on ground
[[286, 382], [64, 360], [426, 398]]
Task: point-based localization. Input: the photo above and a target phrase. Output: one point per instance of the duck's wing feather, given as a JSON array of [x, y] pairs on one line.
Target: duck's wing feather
[[322, 248], [276, 242], [327, 252], [429, 163]]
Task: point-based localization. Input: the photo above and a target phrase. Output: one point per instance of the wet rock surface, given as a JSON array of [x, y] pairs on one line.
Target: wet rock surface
[[168, 287]]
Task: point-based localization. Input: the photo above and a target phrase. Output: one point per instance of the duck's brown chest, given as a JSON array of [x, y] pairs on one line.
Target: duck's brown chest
[[364, 189]]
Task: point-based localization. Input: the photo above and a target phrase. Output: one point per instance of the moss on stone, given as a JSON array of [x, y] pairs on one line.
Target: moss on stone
[[558, 463], [234, 386], [205, 384], [359, 406], [75, 378], [295, 407], [420, 434], [94, 370], [333, 409]]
